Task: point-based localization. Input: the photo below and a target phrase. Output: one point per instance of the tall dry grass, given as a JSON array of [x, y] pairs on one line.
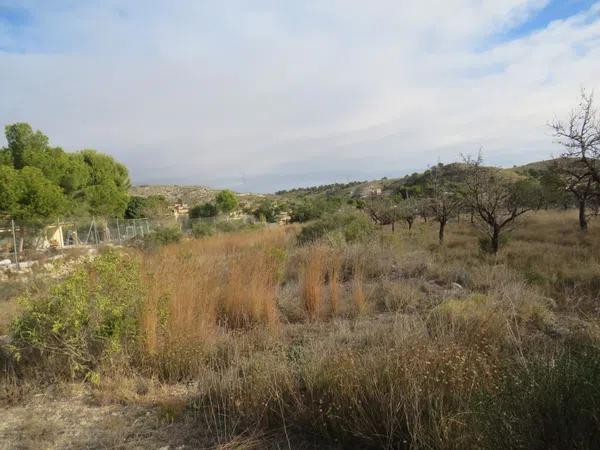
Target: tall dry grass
[[312, 275], [334, 275], [358, 289], [196, 288]]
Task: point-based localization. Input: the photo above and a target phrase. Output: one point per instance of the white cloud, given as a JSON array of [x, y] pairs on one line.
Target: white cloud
[[207, 92]]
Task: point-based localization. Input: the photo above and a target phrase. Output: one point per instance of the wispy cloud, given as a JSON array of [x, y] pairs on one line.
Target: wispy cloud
[[275, 94]]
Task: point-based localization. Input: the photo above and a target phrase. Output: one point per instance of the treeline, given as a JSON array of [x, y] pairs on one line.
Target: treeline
[[319, 189], [40, 181]]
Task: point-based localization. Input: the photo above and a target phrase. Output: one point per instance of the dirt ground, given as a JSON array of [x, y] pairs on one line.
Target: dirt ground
[[51, 420]]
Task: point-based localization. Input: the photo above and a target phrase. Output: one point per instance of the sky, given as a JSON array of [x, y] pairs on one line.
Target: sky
[[271, 94]]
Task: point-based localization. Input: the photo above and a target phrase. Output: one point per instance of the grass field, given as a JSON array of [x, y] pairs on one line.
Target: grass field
[[249, 340]]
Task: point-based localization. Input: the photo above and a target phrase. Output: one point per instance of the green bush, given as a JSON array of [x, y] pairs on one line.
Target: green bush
[[204, 210], [162, 236], [235, 225], [549, 403], [485, 243], [351, 224], [86, 319], [201, 230]]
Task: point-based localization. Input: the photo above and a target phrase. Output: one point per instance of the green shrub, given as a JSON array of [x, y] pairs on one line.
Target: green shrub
[[550, 403], [204, 210], [201, 230], [86, 319], [162, 236], [235, 225], [352, 225], [485, 243]]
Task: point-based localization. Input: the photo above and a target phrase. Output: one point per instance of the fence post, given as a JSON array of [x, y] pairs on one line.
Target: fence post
[[62, 238], [95, 230], [118, 231], [16, 251]]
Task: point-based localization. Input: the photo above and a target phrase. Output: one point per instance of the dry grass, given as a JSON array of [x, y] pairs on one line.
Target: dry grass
[[195, 289], [312, 279], [391, 343]]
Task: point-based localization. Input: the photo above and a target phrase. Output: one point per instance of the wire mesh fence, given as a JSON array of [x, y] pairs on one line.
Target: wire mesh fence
[[22, 240]]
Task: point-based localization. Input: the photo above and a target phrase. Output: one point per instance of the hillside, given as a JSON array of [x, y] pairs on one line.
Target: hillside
[[194, 195], [453, 172], [191, 195]]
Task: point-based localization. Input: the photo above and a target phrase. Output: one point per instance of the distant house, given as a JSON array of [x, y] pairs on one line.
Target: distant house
[[368, 191], [237, 215], [180, 209], [283, 218]]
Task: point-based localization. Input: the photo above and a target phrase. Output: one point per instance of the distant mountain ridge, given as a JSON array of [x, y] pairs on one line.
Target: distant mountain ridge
[[196, 194]]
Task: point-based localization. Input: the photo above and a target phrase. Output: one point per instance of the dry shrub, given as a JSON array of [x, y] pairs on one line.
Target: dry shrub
[[474, 319], [404, 296], [358, 291], [334, 274], [378, 258], [389, 385], [312, 279]]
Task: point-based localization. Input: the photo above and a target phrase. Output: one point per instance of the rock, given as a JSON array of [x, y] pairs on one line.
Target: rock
[[25, 264], [5, 263], [5, 340], [457, 286]]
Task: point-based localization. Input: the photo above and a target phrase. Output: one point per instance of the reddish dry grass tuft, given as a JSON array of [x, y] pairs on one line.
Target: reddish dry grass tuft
[[334, 275], [229, 280], [358, 291], [312, 280]]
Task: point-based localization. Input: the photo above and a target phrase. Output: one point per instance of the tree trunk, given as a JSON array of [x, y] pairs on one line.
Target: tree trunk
[[441, 233], [472, 219], [582, 219], [393, 226], [495, 242]]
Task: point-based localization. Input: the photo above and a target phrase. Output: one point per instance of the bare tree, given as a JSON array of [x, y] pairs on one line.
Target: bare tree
[[443, 204], [576, 178], [580, 135], [383, 212], [409, 210], [496, 200]]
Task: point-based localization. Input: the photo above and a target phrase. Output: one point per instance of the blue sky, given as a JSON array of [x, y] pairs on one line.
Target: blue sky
[[554, 10], [268, 94]]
